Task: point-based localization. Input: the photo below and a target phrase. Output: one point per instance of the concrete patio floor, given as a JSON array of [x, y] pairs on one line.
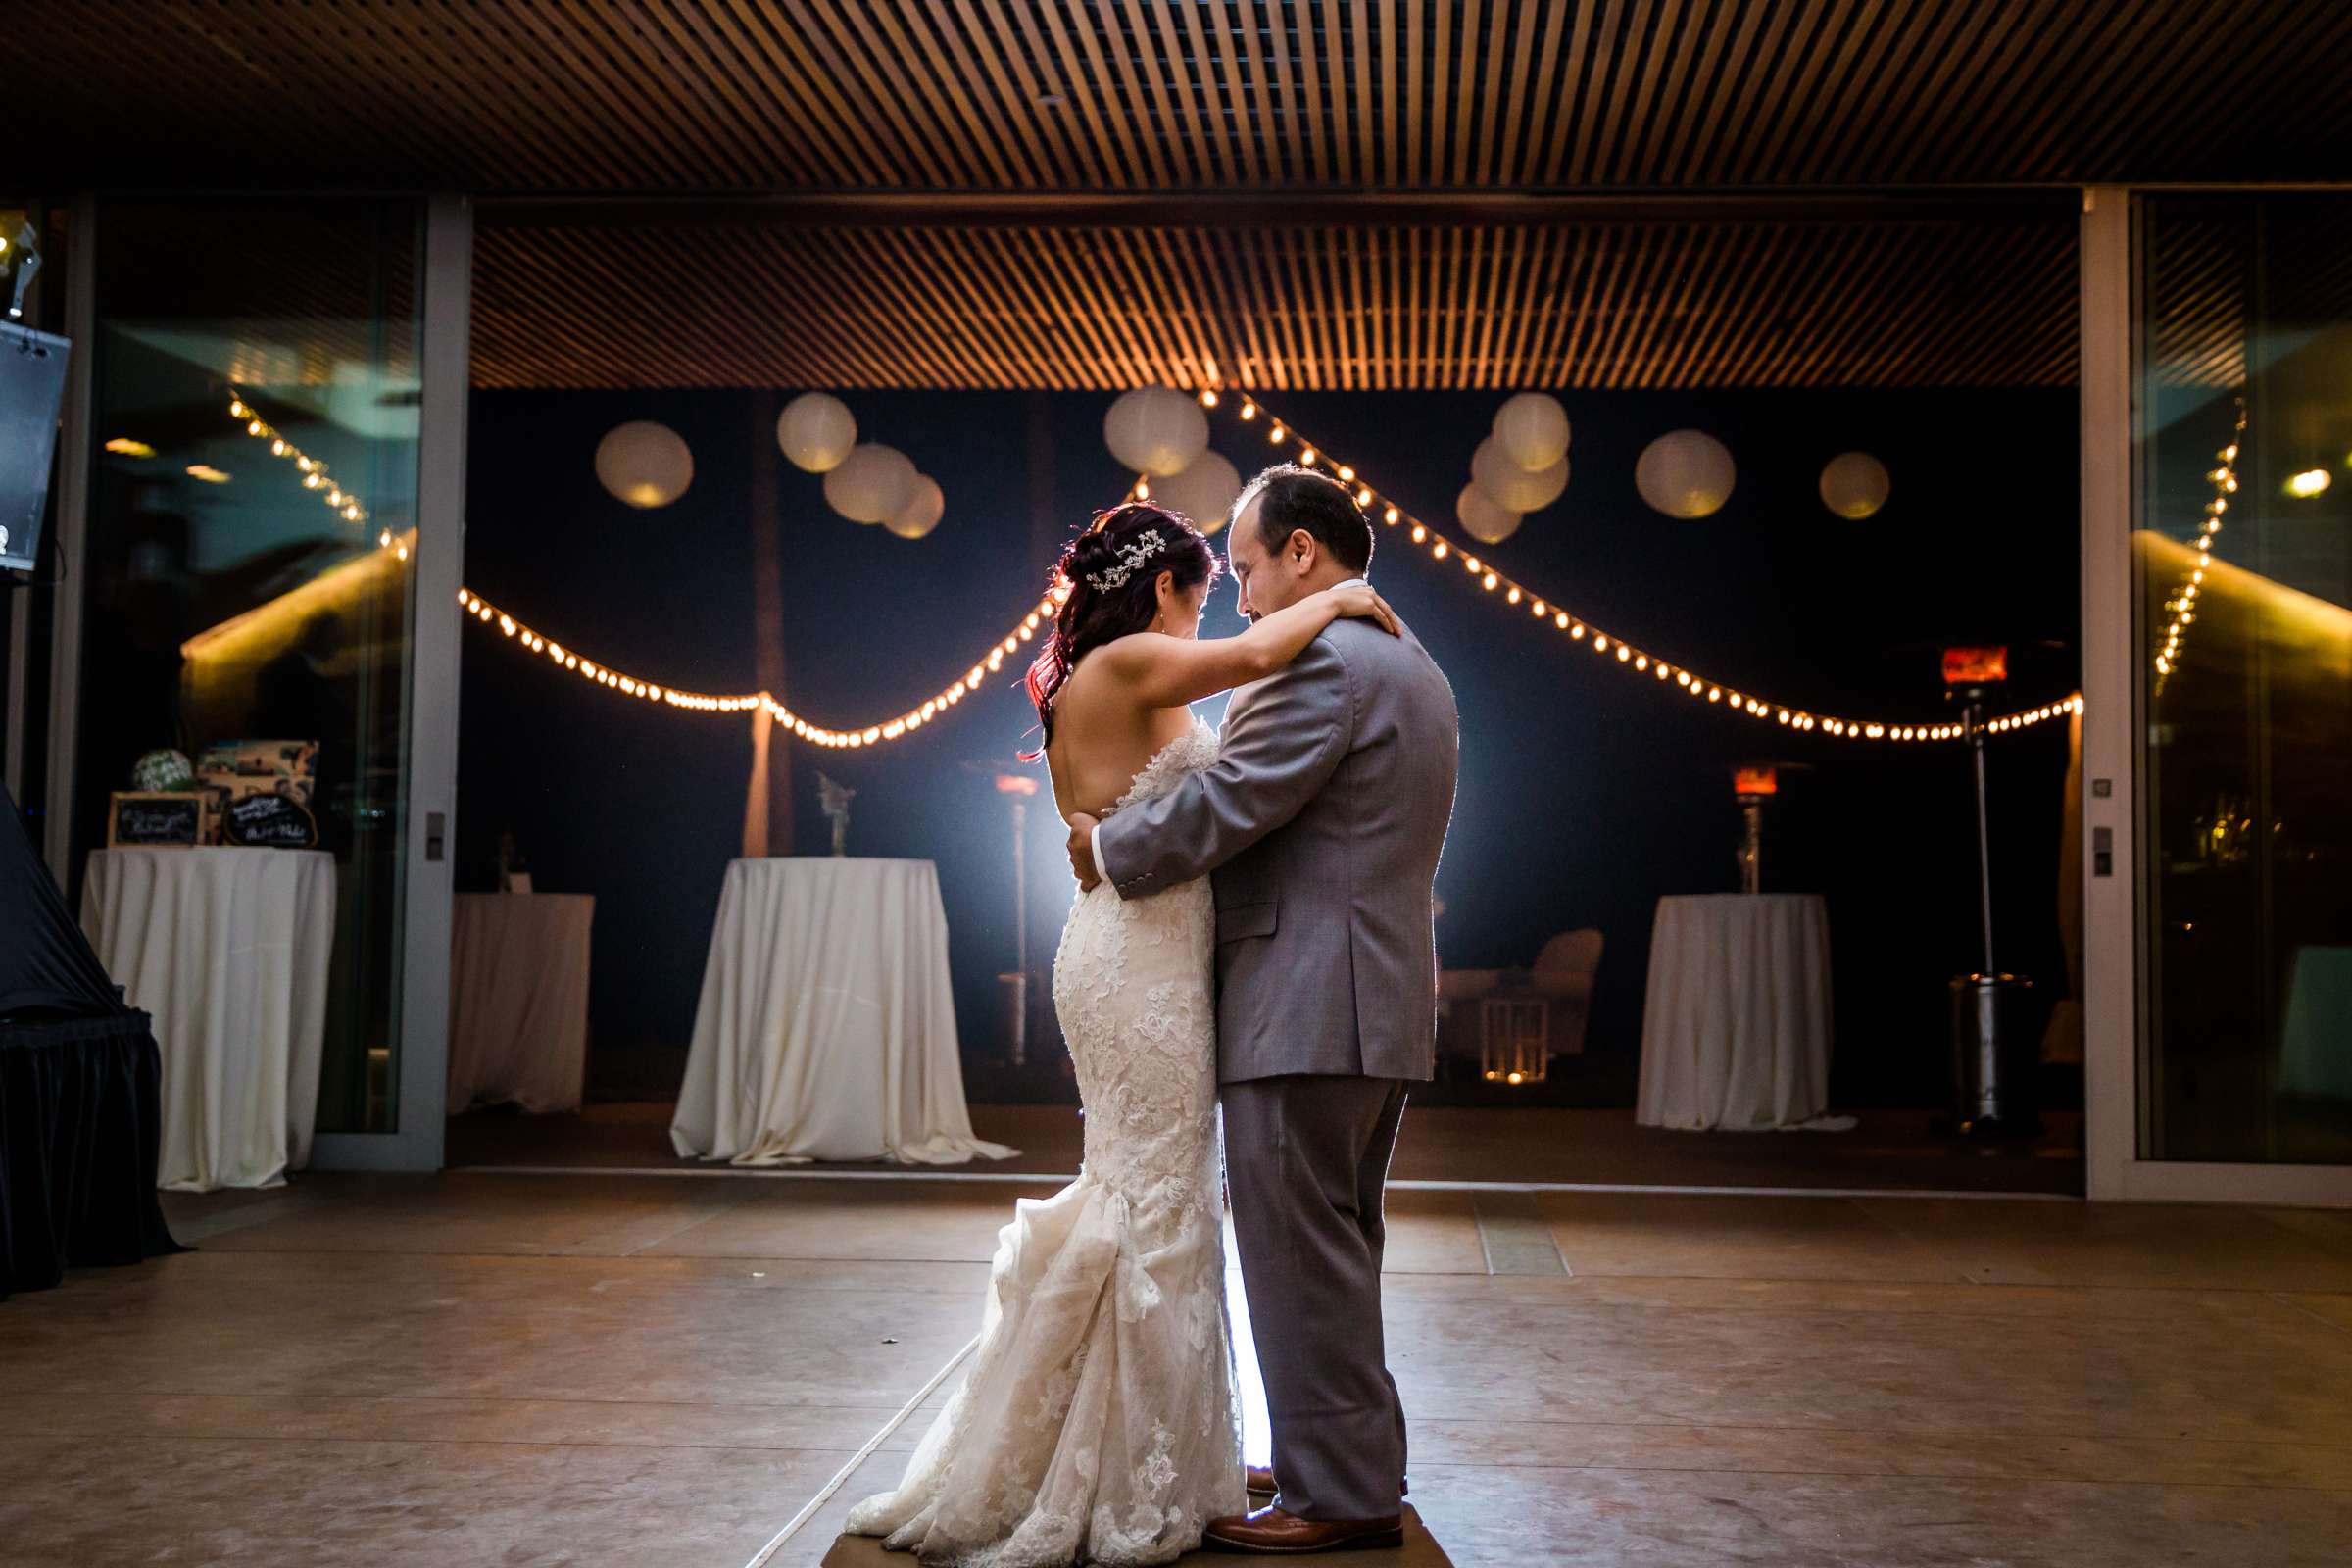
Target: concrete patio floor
[[625, 1369], [1894, 1151]]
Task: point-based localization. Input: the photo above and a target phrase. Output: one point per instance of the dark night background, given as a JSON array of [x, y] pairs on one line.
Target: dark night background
[[1586, 792]]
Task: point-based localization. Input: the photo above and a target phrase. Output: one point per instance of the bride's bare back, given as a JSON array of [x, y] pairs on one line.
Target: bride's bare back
[[1102, 737]]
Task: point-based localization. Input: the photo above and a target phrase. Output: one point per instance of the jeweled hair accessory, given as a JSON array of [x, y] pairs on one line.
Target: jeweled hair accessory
[[1147, 544]]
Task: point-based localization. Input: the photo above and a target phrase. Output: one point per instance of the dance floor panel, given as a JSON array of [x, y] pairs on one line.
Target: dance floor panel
[[1889, 1151], [621, 1370]]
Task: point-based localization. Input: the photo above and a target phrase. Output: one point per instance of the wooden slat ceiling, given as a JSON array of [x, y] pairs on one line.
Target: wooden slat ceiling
[[1161, 95], [2220, 266], [301, 288], [2199, 287], [1947, 303], [1173, 190]]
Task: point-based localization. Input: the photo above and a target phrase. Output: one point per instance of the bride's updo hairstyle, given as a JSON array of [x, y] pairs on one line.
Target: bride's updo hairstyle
[[1113, 571]]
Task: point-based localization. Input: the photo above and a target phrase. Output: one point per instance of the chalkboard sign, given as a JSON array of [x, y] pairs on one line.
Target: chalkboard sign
[[175, 819], [271, 821]]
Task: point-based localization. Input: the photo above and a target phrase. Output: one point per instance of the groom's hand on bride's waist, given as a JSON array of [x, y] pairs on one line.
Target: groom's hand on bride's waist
[[1082, 851]]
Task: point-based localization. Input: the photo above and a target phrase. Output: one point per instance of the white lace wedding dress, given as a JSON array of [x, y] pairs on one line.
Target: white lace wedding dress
[[1099, 1422]]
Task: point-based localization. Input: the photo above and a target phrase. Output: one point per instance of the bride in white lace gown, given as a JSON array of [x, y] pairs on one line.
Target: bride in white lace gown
[[1099, 1422]]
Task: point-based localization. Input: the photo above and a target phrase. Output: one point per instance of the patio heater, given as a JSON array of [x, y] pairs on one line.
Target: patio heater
[[1754, 783], [1017, 787], [1995, 1051]]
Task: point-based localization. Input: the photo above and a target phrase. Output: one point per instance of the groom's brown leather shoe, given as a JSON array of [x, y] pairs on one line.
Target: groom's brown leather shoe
[[1260, 1479], [1276, 1532]]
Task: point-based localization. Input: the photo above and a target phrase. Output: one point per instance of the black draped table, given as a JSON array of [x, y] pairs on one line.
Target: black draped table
[[81, 1127], [81, 1090]]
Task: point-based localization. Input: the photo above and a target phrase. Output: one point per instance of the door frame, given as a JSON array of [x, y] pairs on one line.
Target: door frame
[[2114, 917], [429, 791]]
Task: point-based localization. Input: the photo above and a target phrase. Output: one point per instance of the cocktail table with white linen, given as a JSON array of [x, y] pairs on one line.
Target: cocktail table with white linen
[[1735, 1030], [227, 948], [519, 999], [827, 1024]]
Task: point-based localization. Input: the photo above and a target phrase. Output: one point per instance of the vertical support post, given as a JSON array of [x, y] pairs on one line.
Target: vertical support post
[[2110, 689], [775, 781], [435, 650], [754, 795]]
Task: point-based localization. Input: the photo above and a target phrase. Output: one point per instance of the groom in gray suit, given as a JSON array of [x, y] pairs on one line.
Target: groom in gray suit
[[1321, 822]]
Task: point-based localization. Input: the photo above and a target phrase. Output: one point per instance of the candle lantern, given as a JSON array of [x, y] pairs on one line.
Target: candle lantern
[[1514, 1040]]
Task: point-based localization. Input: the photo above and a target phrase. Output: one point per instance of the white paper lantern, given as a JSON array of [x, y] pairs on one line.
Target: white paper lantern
[[1533, 429], [1854, 484], [1685, 473], [1204, 491], [644, 464], [1483, 517], [922, 511], [873, 484], [1155, 429], [817, 430], [1511, 487]]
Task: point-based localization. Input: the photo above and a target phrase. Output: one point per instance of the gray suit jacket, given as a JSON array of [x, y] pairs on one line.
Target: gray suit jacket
[[1322, 821]]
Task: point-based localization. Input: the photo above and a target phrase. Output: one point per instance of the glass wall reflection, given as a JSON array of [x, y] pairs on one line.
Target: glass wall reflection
[[252, 524], [2244, 562]]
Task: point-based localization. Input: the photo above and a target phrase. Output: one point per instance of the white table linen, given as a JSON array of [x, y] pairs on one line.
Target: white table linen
[[227, 948], [827, 1025], [1736, 1032], [519, 999]]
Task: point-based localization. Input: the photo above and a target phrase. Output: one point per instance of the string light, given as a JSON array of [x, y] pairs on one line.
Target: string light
[[483, 613], [2183, 605], [1613, 649], [878, 733], [1634, 659], [313, 473]]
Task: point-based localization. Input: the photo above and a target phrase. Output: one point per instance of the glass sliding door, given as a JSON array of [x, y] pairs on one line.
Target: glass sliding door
[[2241, 551], [252, 549]]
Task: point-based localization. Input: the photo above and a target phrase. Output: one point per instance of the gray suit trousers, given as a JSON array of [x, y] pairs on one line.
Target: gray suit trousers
[[1306, 1158]]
